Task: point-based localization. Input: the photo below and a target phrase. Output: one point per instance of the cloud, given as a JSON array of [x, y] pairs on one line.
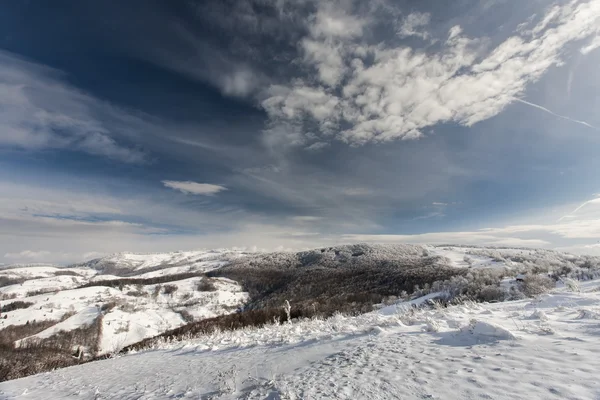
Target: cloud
[[306, 218], [412, 24], [376, 92], [189, 187], [433, 214], [317, 146], [593, 45], [38, 110], [357, 191]]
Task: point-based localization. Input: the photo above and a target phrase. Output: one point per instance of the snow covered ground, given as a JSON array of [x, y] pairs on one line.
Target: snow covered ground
[[545, 348]]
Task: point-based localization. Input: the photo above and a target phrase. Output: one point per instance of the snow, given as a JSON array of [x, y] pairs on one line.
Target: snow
[[471, 351]]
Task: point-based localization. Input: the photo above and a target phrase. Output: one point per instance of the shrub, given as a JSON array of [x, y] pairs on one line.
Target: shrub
[[41, 291], [135, 293], [206, 285], [6, 281], [186, 316], [169, 289], [107, 307], [534, 285], [15, 305], [572, 285], [140, 282], [491, 293], [66, 273]]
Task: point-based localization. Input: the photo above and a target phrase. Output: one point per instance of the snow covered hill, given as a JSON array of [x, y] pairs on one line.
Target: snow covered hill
[[166, 291], [543, 348]]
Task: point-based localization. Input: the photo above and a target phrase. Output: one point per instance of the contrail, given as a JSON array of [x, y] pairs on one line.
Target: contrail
[[555, 114], [570, 215]]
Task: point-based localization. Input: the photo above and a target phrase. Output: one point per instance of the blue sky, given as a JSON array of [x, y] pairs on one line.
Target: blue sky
[[159, 126]]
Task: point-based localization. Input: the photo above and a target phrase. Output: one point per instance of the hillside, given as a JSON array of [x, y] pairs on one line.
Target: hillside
[[527, 349], [134, 301], [130, 296]]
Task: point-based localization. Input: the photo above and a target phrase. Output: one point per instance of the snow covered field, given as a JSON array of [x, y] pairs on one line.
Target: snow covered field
[[545, 348]]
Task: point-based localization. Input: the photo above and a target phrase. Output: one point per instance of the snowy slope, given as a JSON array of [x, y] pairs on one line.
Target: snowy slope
[[130, 312], [541, 349]]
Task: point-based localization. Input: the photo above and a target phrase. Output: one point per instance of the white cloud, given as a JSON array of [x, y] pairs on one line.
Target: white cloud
[[317, 146], [189, 187], [39, 111], [412, 24], [593, 45], [386, 91]]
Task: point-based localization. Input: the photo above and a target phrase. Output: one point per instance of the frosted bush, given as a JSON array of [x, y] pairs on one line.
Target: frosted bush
[[572, 285], [534, 285]]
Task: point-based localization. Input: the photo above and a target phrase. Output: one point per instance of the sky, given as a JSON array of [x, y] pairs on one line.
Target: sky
[[152, 126]]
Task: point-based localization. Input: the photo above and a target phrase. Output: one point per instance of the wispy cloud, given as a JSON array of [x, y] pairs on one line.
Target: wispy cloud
[[306, 218], [317, 146], [189, 187], [38, 110], [593, 45]]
